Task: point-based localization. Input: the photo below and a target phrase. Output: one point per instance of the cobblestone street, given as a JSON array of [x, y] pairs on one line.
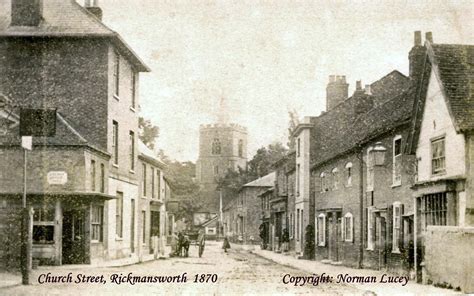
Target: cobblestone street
[[238, 272]]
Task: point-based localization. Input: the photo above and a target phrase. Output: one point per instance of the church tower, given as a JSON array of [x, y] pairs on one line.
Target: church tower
[[221, 147]]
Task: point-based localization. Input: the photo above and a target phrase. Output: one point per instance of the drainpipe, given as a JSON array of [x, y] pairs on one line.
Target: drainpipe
[[415, 239], [361, 207]]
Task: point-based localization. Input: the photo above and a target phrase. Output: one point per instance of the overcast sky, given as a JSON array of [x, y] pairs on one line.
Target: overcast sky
[[266, 57]]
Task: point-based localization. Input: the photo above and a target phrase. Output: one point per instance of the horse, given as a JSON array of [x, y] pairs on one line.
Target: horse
[[183, 245]]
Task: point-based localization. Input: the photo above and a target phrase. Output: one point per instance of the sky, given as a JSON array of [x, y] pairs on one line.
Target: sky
[[251, 62]]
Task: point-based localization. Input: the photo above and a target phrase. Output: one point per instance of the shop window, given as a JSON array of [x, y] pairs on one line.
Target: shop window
[[397, 161], [438, 160], [43, 224], [97, 217], [321, 228], [348, 227], [434, 209]]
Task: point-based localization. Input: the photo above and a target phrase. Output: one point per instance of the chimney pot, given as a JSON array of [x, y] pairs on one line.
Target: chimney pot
[[429, 37], [332, 78], [417, 38], [368, 91], [26, 12]]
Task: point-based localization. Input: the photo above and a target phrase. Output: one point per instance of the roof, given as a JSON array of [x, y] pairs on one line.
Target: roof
[[149, 155], [344, 128], [66, 18], [454, 64], [265, 181]]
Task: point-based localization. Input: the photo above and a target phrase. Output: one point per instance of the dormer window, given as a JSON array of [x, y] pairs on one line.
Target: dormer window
[[349, 174], [216, 146], [335, 178]]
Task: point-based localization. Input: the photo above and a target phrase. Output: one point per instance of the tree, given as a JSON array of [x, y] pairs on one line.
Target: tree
[[292, 124], [148, 132], [262, 162]]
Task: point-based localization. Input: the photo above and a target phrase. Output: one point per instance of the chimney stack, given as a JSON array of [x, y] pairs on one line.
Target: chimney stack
[[337, 91], [429, 37], [26, 12], [368, 90], [93, 7], [358, 85], [416, 56]]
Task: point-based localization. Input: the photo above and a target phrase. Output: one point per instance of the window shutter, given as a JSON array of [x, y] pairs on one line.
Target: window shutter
[[400, 238], [390, 225], [343, 228]]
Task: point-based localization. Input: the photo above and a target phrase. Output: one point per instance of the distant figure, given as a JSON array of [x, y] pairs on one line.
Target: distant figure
[[174, 245], [226, 244], [201, 241]]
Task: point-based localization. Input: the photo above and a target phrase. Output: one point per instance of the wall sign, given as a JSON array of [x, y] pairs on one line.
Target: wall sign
[[57, 178]]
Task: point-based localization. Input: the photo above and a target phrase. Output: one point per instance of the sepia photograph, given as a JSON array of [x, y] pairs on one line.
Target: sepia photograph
[[225, 147]]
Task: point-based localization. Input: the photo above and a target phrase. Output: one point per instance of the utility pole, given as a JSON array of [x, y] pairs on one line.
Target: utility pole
[[26, 235]]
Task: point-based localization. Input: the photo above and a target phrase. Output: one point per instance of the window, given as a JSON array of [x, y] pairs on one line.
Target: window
[[370, 228], [216, 170], [92, 176], [119, 214], [97, 214], [241, 148], [396, 225], [132, 150], [434, 209], [43, 224], [298, 224], [115, 141], [397, 161], [116, 74], [349, 174], [438, 162], [216, 146], [152, 183], [298, 173], [102, 178], [133, 86], [299, 147], [348, 227], [335, 178], [144, 227], [158, 181], [370, 170], [321, 228], [144, 179], [323, 182]]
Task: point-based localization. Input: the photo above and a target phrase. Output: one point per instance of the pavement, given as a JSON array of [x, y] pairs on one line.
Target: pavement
[[317, 267], [240, 271]]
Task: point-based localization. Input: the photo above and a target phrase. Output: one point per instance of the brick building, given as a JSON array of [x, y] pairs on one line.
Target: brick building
[[242, 214], [83, 181]]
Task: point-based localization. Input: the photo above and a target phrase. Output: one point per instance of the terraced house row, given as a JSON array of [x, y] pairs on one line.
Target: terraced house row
[[97, 192], [384, 176]]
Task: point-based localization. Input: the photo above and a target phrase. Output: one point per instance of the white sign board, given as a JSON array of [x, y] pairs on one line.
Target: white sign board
[[26, 142], [57, 178]]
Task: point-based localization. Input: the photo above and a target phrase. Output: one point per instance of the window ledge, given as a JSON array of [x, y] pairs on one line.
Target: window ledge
[[95, 242], [349, 241], [132, 109], [132, 171], [119, 239], [396, 252], [442, 173], [370, 249], [116, 97], [396, 185], [321, 244], [115, 165]]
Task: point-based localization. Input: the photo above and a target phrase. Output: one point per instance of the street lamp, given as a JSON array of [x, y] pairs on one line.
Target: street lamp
[[378, 154]]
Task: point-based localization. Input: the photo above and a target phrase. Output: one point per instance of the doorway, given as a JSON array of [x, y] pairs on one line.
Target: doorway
[[73, 248]]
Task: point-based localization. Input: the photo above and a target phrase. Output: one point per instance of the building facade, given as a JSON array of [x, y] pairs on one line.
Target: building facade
[[94, 152]]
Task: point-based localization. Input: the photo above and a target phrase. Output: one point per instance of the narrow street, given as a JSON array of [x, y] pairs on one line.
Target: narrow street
[[238, 273]]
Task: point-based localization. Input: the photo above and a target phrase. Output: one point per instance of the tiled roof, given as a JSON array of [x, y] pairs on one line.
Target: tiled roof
[[455, 67], [265, 181], [344, 128], [65, 18]]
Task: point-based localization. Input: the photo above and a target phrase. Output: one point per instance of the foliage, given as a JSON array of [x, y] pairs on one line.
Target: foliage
[[262, 162], [10, 238], [292, 124], [148, 132], [309, 242]]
